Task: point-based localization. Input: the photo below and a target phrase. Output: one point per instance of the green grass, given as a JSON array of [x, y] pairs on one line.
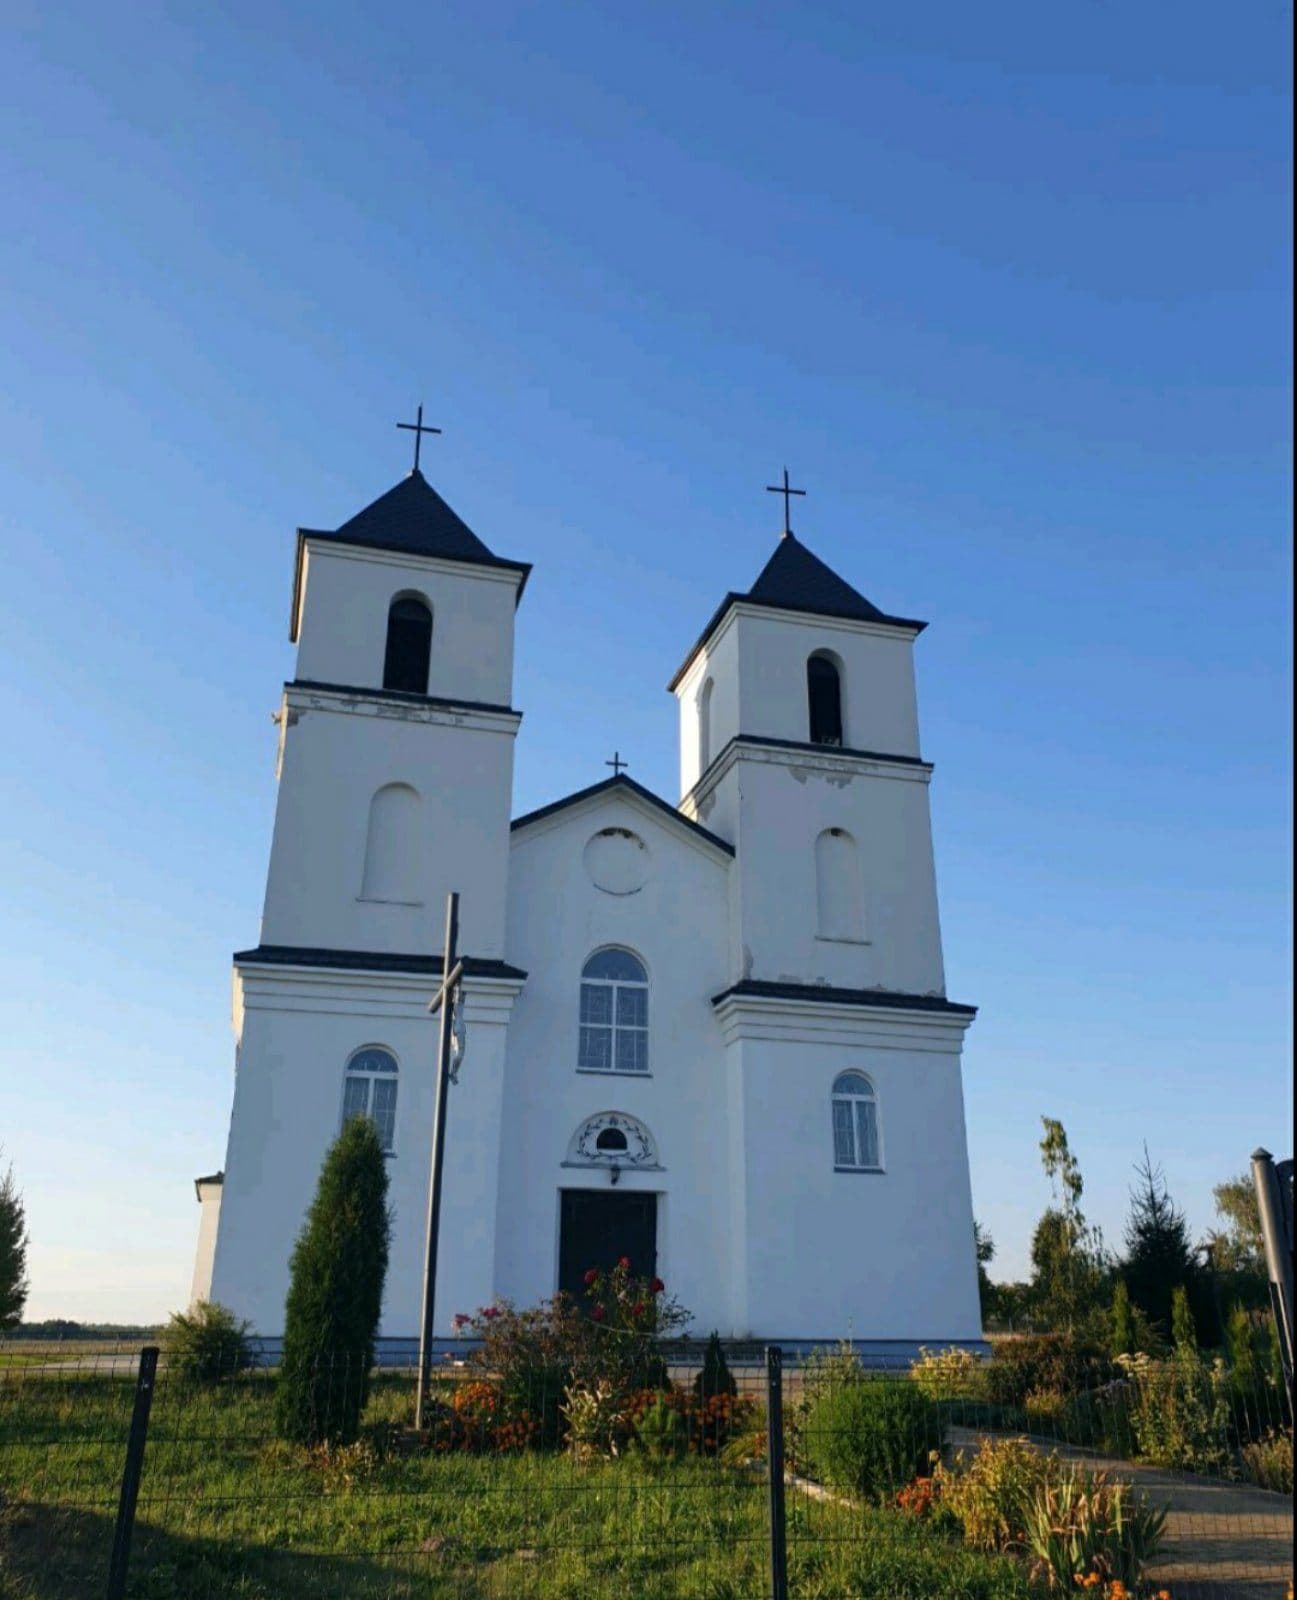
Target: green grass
[[228, 1511]]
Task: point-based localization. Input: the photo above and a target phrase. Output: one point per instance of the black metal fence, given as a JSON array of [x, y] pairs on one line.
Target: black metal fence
[[807, 1477]]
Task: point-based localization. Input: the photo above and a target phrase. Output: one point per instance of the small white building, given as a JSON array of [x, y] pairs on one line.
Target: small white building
[[713, 1036]]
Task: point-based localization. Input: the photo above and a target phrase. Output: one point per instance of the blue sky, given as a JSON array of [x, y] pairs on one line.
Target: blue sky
[[1005, 287]]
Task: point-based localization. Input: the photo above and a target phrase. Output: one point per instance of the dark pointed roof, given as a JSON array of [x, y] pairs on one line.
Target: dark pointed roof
[[794, 579], [799, 581], [410, 519]]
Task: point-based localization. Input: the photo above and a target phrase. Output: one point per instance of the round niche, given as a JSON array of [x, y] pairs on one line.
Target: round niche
[[617, 861]]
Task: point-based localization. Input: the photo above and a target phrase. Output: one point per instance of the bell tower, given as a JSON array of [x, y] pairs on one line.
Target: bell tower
[[799, 745], [395, 767]]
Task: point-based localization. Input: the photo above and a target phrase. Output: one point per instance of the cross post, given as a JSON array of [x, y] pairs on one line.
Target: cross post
[[617, 764], [418, 430], [783, 489]]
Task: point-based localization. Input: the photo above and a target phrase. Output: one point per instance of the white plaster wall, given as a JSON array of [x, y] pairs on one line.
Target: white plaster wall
[[342, 635], [335, 755], [299, 1028], [853, 1254], [677, 924], [719, 662], [209, 1200], [781, 801]]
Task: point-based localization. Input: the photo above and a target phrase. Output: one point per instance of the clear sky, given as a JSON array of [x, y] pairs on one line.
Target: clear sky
[[1004, 285]]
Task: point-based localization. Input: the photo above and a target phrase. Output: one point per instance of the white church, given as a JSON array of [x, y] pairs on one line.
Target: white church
[[712, 1035]]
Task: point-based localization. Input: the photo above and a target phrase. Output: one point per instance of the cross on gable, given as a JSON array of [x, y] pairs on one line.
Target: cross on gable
[[617, 764]]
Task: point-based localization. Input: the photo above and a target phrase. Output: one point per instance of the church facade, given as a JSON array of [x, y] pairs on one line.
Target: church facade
[[710, 1035]]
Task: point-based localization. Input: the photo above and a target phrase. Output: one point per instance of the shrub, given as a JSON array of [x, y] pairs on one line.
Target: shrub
[[1084, 1529], [335, 1293], [1184, 1335], [206, 1344], [596, 1421], [990, 1492], [1179, 1412], [660, 1432], [1057, 1362], [537, 1355], [952, 1374], [870, 1435], [1268, 1462]]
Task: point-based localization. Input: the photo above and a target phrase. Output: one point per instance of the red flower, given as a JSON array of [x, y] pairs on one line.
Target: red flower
[[657, 1286], [598, 1313], [638, 1309], [624, 1263], [460, 1320], [490, 1311], [592, 1276]]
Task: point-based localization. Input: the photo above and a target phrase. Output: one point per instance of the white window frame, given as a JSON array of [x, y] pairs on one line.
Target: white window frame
[[613, 1028], [353, 1074], [856, 1100]]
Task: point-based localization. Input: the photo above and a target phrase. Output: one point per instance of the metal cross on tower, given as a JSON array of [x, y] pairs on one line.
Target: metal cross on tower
[[418, 430], [616, 764], [783, 489]]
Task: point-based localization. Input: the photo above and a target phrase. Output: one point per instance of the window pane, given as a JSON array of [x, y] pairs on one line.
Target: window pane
[[852, 1083], [355, 1098], [372, 1061], [867, 1132], [632, 1050], [844, 1145], [383, 1110], [632, 1007], [596, 1003], [595, 1053], [615, 965]]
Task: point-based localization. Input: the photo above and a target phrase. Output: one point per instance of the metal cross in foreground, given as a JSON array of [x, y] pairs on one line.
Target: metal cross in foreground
[[452, 970], [616, 764], [418, 430], [783, 489]]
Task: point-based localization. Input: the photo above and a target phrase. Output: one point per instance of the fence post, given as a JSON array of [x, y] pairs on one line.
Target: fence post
[[1276, 1211], [775, 1464], [119, 1562]]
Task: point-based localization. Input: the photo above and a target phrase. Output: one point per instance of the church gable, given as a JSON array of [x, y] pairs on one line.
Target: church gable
[[620, 803]]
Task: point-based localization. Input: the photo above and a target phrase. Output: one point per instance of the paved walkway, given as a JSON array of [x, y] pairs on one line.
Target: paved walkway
[[1224, 1541]]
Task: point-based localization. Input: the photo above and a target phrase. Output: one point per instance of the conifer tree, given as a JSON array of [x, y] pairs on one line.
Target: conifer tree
[[335, 1293], [715, 1377], [1122, 1321], [1184, 1336], [13, 1253], [1159, 1257]]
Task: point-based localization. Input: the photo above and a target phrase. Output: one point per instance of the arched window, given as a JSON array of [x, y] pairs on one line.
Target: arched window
[[855, 1124], [614, 1013], [369, 1090], [409, 644], [824, 694], [705, 727], [839, 906], [392, 846], [615, 1140]]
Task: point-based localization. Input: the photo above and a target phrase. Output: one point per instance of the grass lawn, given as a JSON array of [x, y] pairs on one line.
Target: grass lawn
[[228, 1511]]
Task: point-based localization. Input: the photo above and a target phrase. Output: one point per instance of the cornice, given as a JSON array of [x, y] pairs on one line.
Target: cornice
[[392, 705], [831, 760]]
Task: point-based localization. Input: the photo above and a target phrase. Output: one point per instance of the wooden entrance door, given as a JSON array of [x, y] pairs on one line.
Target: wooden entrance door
[[599, 1226]]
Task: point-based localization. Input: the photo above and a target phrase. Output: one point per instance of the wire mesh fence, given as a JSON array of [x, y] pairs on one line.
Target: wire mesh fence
[[647, 1475]]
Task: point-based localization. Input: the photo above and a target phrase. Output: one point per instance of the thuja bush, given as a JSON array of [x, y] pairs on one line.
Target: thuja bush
[[206, 1343], [335, 1294], [869, 1435], [714, 1377]]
